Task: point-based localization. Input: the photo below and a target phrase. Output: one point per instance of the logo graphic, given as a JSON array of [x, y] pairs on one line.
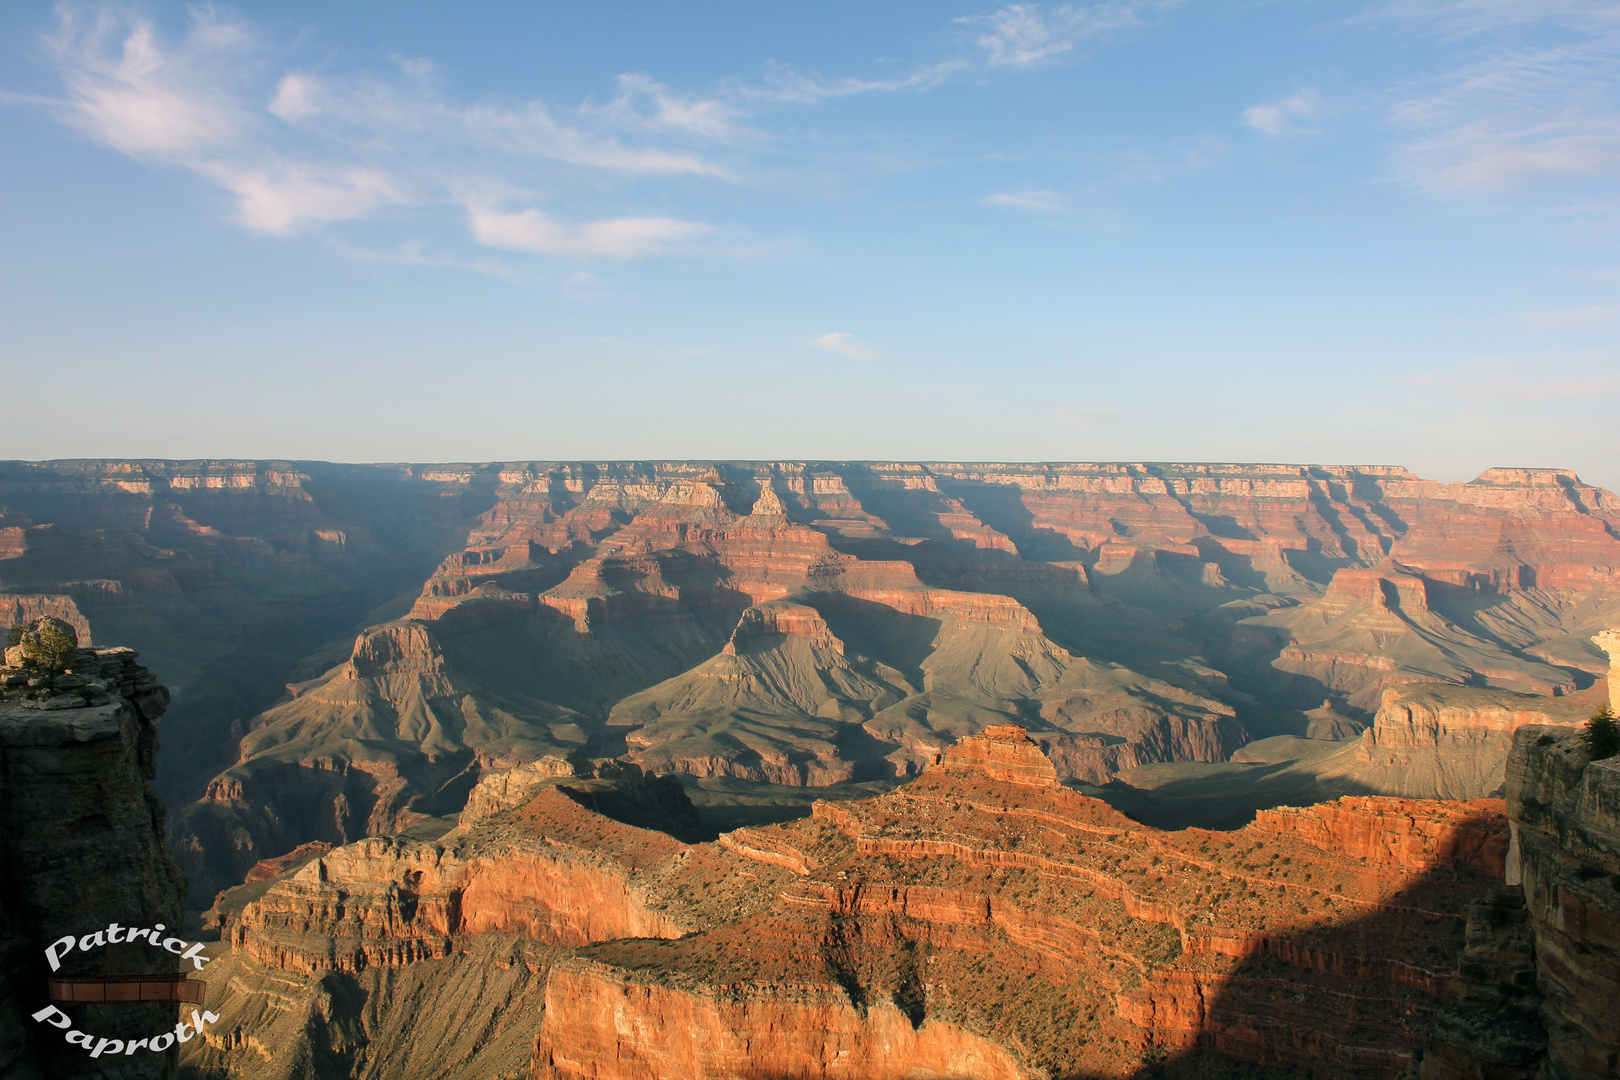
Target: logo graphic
[[140, 989]]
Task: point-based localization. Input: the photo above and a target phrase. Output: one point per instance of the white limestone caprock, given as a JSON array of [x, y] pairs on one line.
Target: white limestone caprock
[[1609, 641]]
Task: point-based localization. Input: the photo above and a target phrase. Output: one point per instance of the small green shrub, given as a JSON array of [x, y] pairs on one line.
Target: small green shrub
[[47, 645], [1602, 734]]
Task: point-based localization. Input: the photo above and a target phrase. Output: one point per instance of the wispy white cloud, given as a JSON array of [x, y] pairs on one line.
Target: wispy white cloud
[[1204, 152], [618, 238], [283, 196], [297, 148], [783, 84], [319, 148], [1017, 36], [1020, 35], [1467, 18], [642, 103], [127, 89], [1028, 35], [413, 253], [1282, 117], [1516, 117], [840, 342], [411, 118], [1046, 202]]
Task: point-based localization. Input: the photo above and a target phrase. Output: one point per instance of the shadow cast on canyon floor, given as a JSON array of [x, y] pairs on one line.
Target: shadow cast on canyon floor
[[1225, 794], [1353, 998]]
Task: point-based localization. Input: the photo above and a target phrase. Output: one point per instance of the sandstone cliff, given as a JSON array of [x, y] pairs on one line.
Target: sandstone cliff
[[992, 923], [982, 920], [81, 839], [225, 575], [1441, 741], [1130, 615], [1542, 969]]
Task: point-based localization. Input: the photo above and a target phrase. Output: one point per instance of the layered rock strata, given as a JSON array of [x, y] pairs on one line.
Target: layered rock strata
[[534, 854], [226, 575], [81, 839], [1019, 929], [1444, 741], [788, 622], [1541, 973], [981, 920]]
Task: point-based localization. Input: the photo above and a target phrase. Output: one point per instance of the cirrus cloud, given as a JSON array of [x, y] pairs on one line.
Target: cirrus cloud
[[844, 343], [1282, 117], [620, 238], [300, 147], [315, 149], [1046, 202]]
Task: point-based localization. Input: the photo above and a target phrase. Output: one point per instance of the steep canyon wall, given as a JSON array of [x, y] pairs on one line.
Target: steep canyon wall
[[982, 920], [352, 647], [82, 844]]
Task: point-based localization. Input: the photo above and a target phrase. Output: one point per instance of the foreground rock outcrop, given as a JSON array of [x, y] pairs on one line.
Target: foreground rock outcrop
[[1541, 974], [981, 920], [81, 840], [1019, 929]]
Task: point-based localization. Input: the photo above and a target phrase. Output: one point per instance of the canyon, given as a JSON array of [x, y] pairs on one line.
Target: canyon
[[981, 920], [351, 648]]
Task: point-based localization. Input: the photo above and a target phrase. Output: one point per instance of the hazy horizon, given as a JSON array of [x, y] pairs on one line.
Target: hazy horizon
[[823, 460]]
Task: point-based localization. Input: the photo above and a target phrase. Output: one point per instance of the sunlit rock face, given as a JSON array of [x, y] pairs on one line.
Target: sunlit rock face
[[981, 920], [353, 647], [1609, 641]]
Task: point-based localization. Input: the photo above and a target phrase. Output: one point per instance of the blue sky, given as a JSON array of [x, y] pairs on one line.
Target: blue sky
[[1134, 229]]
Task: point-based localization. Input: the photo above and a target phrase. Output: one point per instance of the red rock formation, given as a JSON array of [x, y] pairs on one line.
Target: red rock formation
[[796, 620], [1609, 641], [560, 874], [1409, 833], [1301, 582], [1537, 981], [982, 921], [1002, 752], [1565, 811], [1050, 883], [270, 869], [18, 610], [781, 1031]]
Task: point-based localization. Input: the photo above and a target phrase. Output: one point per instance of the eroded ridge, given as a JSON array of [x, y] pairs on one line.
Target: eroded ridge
[[982, 920]]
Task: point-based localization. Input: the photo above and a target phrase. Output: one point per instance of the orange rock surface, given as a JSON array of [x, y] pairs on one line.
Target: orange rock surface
[[555, 873], [982, 920], [992, 912], [1002, 752], [808, 1032], [1127, 614]]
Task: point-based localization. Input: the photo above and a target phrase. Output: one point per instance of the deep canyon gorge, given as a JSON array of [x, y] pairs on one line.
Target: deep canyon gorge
[[829, 769]]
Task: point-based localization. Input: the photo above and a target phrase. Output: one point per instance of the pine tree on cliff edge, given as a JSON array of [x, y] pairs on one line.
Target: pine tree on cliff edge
[[1602, 734]]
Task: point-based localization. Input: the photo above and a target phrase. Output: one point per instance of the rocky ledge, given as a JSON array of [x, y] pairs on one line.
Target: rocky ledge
[[1540, 975], [81, 840], [90, 678]]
